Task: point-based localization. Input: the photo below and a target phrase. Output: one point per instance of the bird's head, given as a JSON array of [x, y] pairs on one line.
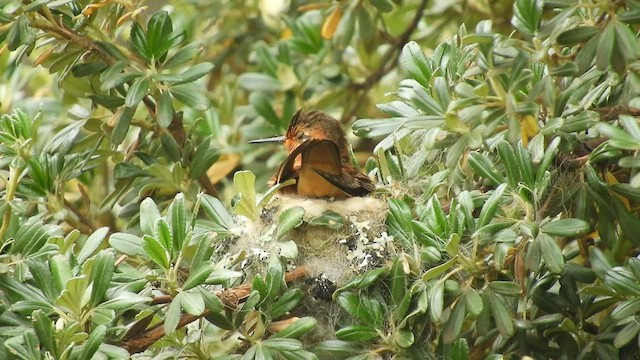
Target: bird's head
[[309, 125]]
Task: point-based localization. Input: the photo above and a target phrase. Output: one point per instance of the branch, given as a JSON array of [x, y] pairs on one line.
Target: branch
[[83, 219], [390, 60], [614, 112], [230, 297]]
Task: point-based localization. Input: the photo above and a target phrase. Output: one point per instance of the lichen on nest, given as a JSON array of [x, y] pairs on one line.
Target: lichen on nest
[[336, 239]]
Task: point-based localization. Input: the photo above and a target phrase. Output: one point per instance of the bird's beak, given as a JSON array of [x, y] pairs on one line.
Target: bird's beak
[[278, 139]]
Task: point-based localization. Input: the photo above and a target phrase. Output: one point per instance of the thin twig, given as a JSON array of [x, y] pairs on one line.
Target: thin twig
[[83, 219], [390, 60]]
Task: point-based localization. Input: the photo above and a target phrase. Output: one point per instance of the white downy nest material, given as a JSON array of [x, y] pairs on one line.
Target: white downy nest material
[[337, 255]]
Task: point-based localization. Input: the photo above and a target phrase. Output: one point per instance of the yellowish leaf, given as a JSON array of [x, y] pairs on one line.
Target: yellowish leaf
[[529, 128], [309, 7], [286, 34], [612, 180], [223, 167], [331, 24]]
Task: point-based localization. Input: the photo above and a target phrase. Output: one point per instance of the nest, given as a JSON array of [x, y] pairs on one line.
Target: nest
[[333, 252]]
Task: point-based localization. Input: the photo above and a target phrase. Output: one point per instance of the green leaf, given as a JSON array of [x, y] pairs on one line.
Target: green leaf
[[217, 212], [90, 346], [183, 55], [86, 69], [124, 300], [204, 157], [551, 253], [482, 166], [297, 329], [366, 310], [283, 344], [172, 316], [198, 275], [527, 15], [566, 227], [382, 5], [19, 33], [163, 234], [436, 301], [365, 280], [274, 281], [191, 96], [453, 325], [165, 109], [158, 28], [626, 334], [523, 159], [259, 82], [156, 251], [566, 69], [288, 220], [194, 73], [60, 271], [192, 303], [416, 63], [439, 270], [473, 301], [549, 156], [137, 91], [91, 244], [622, 281], [264, 200], [399, 220], [500, 313], [178, 221], [244, 181], [625, 309], [626, 42], [211, 301], [631, 16], [460, 350], [605, 46], [101, 275], [149, 214], [356, 333], [262, 104], [330, 219], [404, 338], [123, 120], [506, 288], [338, 348], [398, 281], [584, 60], [171, 147], [630, 123], [491, 206], [43, 278], [138, 41], [577, 35], [619, 138], [43, 327], [508, 158], [286, 302]]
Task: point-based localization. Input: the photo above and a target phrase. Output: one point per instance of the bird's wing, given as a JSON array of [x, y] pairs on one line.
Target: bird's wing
[[286, 170], [358, 185], [323, 157]]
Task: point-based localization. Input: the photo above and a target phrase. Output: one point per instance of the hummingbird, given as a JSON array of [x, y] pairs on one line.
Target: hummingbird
[[318, 159]]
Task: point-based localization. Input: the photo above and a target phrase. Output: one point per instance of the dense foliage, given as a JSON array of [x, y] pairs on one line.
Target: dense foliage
[[505, 144]]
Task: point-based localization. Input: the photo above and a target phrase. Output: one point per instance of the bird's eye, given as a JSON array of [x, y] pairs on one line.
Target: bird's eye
[[299, 135]]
